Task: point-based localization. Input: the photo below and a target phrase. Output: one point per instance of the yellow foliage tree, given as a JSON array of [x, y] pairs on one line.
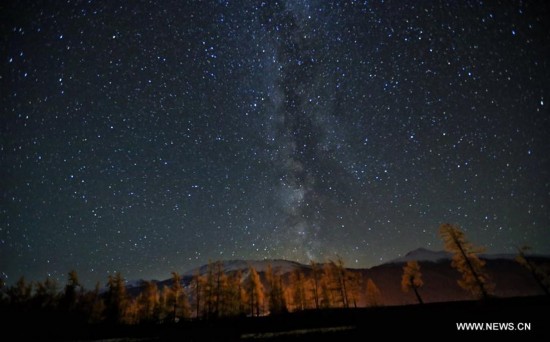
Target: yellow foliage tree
[[255, 292], [277, 302], [298, 290], [234, 304], [315, 289], [466, 261], [177, 301], [197, 287], [148, 302], [412, 278]]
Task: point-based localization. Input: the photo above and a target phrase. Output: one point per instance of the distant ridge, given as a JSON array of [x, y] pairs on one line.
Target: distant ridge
[[422, 254], [427, 255], [278, 265]]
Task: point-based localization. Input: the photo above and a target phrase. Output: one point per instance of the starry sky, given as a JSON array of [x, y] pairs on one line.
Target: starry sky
[[152, 136]]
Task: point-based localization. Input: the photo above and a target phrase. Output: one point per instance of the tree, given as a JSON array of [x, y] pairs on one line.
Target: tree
[[148, 302], [277, 303], [255, 292], [46, 295], [412, 278], [354, 281], [3, 291], [541, 277], [220, 289], [197, 287], [117, 300], [327, 286], [214, 289], [208, 291], [73, 290], [177, 299], [336, 278], [20, 293], [341, 281], [316, 275], [373, 296], [94, 305], [466, 261], [298, 292], [235, 295]]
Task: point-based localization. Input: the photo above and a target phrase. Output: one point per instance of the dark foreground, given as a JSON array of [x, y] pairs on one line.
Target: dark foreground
[[528, 317]]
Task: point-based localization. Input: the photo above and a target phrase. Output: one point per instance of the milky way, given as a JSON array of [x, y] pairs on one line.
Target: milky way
[[148, 137]]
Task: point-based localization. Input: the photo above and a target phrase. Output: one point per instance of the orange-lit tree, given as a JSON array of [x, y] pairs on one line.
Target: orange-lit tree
[[148, 303], [197, 284], [466, 261], [298, 290], [412, 278], [177, 301], [234, 303], [276, 297], [315, 282], [255, 292], [354, 287]]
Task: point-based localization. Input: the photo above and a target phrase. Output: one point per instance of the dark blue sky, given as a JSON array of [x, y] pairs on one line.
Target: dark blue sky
[[147, 137]]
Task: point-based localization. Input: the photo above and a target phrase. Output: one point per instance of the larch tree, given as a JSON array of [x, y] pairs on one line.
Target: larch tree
[[20, 293], [354, 287], [95, 305], [466, 261], [208, 291], [214, 289], [116, 298], [73, 290], [166, 304], [373, 296], [255, 292], [3, 292], [132, 312], [197, 285], [341, 276], [182, 308], [148, 302], [335, 276], [241, 292], [316, 279], [46, 294], [221, 283], [541, 277], [412, 279], [234, 295], [327, 286], [298, 292], [276, 298]]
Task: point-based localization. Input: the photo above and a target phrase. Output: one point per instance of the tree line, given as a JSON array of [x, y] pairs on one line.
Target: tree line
[[216, 293], [212, 294]]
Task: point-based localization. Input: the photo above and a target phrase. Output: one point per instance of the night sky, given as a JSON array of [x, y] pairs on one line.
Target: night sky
[[146, 137]]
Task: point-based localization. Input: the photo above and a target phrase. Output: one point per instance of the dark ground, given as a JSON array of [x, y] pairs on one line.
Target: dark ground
[[429, 321]]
